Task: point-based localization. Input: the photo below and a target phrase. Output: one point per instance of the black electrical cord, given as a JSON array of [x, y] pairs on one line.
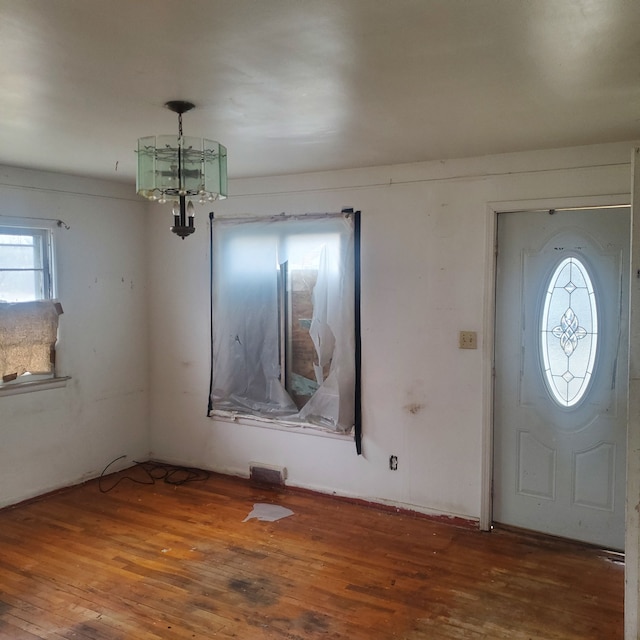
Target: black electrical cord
[[156, 471], [172, 474]]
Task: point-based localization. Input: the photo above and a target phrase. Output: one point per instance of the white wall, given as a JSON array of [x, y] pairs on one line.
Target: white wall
[[54, 438], [427, 255]]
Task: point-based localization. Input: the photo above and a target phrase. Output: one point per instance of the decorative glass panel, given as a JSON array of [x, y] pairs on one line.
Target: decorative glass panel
[[569, 332]]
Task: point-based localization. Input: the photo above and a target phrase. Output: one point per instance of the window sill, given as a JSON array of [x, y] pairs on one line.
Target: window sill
[[15, 388], [290, 427]]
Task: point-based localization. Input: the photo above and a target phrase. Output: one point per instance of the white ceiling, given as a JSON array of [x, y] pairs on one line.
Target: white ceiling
[[302, 85]]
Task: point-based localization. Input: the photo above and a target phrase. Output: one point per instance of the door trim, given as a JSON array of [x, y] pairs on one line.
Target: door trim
[[492, 210]]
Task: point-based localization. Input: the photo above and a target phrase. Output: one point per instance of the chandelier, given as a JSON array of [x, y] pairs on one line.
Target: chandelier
[[179, 168]]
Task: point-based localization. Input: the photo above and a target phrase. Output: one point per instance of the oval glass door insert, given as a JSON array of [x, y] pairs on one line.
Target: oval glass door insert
[[569, 332]]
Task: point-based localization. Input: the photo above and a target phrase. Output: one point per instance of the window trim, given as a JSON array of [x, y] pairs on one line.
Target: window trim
[[282, 422], [45, 229]]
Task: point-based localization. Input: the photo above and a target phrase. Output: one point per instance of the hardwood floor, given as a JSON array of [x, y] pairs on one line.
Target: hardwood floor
[[176, 562]]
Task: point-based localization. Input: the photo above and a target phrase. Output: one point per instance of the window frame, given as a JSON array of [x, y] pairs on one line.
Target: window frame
[[45, 248], [42, 230], [216, 409]]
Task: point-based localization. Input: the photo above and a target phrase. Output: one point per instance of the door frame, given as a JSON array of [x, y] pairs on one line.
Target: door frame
[[489, 317], [632, 529]]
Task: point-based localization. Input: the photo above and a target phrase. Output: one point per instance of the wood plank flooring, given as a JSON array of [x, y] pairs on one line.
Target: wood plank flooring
[[178, 562]]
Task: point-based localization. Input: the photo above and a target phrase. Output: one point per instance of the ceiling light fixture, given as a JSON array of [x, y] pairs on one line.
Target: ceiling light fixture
[[177, 168]]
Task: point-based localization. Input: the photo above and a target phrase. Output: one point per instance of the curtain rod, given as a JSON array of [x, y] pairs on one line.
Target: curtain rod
[[59, 223]]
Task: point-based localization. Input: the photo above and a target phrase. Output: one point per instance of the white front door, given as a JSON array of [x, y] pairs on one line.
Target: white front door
[[561, 360]]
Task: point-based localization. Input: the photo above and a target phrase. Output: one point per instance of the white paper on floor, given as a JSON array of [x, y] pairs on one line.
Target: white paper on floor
[[268, 512]]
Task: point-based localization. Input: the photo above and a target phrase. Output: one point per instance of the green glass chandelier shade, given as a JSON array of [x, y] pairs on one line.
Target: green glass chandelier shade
[[179, 168], [173, 166]]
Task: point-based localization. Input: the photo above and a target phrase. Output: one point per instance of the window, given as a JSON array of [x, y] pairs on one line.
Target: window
[[28, 311], [283, 320], [569, 332], [25, 264]]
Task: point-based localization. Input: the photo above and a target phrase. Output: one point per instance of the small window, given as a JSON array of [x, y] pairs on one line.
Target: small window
[[283, 320], [28, 311], [569, 332], [25, 264]]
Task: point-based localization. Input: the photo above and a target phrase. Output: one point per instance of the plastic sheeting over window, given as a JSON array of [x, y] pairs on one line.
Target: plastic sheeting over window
[[283, 319]]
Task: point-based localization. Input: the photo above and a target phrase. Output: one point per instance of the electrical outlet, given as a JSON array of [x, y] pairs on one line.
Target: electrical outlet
[[393, 463], [468, 340]]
